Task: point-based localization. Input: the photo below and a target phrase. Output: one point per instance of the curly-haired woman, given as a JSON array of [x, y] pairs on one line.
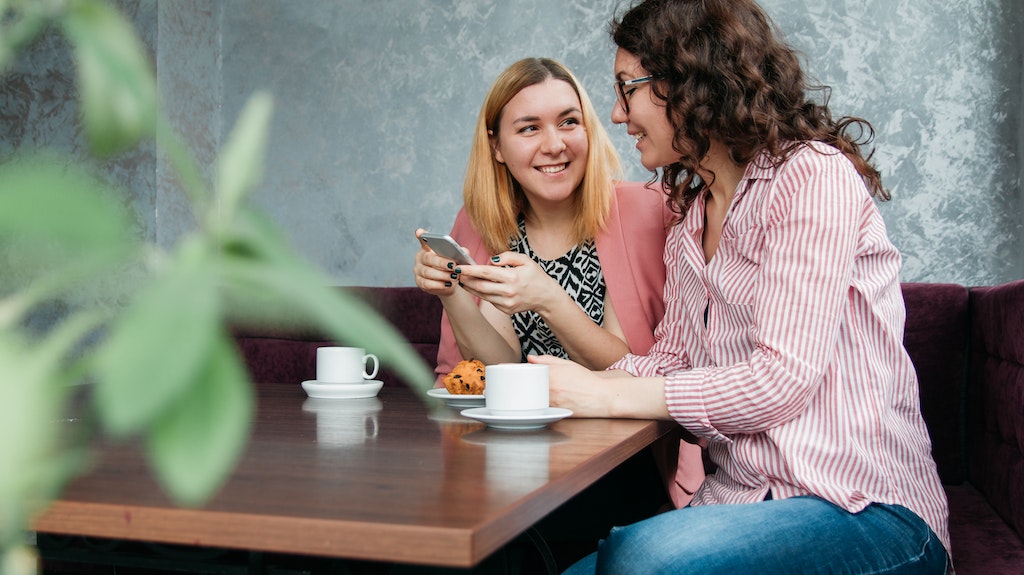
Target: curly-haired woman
[[782, 340]]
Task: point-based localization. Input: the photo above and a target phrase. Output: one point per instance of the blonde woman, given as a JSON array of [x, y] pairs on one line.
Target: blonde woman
[[562, 261]]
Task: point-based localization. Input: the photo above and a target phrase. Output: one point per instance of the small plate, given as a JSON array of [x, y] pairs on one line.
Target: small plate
[[533, 420], [368, 388], [456, 400]]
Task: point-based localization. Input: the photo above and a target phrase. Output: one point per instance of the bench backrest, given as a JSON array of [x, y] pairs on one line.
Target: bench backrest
[[936, 337], [995, 399]]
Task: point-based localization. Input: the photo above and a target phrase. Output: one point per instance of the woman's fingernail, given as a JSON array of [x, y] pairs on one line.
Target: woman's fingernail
[[458, 270], [447, 284], [495, 259], [460, 284], [451, 265], [455, 276]]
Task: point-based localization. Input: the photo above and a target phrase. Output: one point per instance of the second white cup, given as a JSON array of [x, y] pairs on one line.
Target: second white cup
[[518, 387], [344, 365]]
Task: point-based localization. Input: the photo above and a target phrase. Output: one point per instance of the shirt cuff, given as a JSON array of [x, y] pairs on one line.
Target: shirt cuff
[[685, 401]]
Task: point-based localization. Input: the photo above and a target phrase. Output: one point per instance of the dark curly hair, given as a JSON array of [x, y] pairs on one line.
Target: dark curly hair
[[725, 74]]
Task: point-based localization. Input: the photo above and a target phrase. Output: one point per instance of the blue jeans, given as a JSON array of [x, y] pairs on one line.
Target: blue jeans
[[795, 535]]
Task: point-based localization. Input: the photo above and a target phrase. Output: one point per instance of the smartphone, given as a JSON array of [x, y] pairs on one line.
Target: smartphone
[[444, 246]]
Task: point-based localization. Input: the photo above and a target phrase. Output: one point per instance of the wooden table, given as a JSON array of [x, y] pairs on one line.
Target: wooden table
[[394, 478]]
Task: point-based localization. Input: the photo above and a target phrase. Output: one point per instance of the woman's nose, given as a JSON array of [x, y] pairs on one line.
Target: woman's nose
[[619, 115], [553, 143]]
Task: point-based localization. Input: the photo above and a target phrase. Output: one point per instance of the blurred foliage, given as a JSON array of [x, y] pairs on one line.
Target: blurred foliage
[[162, 366]]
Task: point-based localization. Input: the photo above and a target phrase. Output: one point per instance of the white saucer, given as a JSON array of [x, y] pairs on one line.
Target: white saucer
[[456, 400], [367, 388], [533, 420]]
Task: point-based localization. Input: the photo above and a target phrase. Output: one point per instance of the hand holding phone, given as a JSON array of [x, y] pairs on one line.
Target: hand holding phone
[[446, 247]]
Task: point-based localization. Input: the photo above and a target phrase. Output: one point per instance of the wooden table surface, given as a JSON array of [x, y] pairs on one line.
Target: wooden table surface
[[392, 478]]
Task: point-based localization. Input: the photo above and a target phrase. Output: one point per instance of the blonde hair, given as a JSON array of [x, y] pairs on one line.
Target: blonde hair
[[492, 197]]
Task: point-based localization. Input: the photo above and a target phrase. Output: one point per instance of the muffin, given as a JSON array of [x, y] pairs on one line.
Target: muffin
[[467, 378]]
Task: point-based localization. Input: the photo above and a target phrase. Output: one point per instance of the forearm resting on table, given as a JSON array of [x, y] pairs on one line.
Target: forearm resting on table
[[636, 397], [613, 394]]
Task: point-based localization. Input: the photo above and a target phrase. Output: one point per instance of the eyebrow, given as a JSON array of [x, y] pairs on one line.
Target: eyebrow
[[566, 112]]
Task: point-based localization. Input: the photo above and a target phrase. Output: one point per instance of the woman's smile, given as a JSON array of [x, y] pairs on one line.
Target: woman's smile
[[553, 169]]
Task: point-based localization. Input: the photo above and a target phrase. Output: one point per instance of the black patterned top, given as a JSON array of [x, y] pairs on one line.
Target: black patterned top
[[579, 274]]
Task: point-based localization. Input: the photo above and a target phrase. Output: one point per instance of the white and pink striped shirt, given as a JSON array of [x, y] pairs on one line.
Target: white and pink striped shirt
[[798, 379]]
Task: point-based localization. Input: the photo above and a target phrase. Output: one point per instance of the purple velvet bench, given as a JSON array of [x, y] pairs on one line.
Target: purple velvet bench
[[968, 348]]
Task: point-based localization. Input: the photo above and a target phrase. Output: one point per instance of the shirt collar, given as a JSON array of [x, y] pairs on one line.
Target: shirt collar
[[760, 168]]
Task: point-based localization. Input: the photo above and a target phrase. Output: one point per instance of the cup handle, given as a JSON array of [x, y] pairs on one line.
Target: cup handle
[[376, 365]]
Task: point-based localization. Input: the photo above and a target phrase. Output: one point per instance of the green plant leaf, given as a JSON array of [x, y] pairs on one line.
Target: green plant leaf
[[44, 280], [159, 343], [34, 389], [116, 81], [28, 408], [18, 559], [60, 226], [239, 166], [185, 167], [22, 22], [53, 200], [194, 445]]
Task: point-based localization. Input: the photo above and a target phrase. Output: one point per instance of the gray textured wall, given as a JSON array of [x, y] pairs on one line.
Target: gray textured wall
[[375, 103]]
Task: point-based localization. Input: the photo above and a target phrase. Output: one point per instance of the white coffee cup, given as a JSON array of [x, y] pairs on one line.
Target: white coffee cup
[[516, 387], [344, 365]]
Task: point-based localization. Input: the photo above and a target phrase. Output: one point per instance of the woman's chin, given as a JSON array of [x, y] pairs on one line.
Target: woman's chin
[[651, 164], [654, 162]]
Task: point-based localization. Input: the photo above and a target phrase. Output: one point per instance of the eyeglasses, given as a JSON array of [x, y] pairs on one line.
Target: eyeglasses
[[625, 88]]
